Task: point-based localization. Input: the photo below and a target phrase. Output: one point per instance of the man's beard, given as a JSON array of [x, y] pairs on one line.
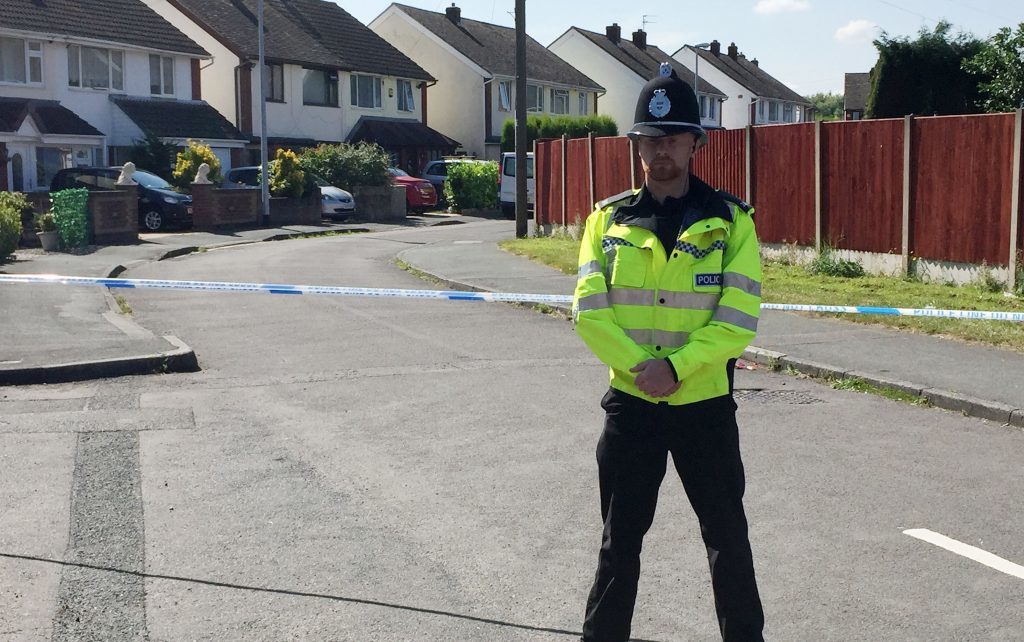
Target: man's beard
[[664, 171]]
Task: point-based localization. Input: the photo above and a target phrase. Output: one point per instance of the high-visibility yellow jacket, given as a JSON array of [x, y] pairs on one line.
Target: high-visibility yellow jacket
[[697, 307]]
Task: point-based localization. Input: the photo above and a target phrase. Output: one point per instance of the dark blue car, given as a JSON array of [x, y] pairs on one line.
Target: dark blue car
[[159, 205]]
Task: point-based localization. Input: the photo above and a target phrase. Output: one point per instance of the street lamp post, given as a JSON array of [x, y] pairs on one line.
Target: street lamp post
[[696, 64]]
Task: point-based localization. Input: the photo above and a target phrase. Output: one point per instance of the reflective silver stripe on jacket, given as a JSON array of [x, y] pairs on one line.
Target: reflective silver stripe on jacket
[[689, 300], [598, 301], [741, 282], [594, 267], [736, 317], [631, 296], [664, 339]]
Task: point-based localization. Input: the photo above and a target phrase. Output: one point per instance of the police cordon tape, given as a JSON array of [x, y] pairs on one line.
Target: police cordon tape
[[457, 295]]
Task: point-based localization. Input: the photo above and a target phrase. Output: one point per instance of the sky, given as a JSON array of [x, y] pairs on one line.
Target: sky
[[807, 44]]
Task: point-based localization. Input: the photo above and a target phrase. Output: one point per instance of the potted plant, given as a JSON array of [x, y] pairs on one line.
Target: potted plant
[[47, 232]]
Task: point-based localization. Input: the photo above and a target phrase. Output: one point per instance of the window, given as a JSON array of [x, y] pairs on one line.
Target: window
[[787, 113], [534, 98], [703, 107], [773, 111], [712, 108], [274, 91], [21, 61], [161, 75], [560, 101], [762, 110], [320, 87], [366, 91], [584, 103], [93, 68], [405, 96], [505, 95]]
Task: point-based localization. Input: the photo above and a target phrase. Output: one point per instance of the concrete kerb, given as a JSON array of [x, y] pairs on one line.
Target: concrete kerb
[[944, 399]]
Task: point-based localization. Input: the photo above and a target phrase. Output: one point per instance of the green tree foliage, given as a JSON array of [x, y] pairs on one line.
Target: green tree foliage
[[554, 126], [924, 76], [154, 155], [827, 106], [189, 160], [1000, 68], [70, 210], [348, 165], [11, 206], [471, 185], [286, 176]]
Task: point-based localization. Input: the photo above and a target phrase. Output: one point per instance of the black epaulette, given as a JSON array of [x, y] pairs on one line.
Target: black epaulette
[[611, 199], [745, 206]]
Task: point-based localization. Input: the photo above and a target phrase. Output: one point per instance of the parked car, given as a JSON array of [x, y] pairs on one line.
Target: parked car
[[436, 172], [507, 184], [420, 195], [335, 203], [159, 205]]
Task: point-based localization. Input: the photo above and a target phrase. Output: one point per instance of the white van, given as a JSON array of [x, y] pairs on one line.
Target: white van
[[507, 184]]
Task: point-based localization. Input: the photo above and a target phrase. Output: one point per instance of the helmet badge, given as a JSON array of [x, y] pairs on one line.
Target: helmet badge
[[665, 69], [660, 104]]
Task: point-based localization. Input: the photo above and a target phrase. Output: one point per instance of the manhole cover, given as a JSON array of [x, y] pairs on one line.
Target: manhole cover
[[775, 396]]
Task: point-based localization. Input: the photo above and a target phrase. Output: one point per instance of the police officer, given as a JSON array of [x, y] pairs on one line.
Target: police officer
[[668, 297]]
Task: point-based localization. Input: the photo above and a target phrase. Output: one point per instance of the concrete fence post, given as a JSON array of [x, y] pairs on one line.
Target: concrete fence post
[[817, 186], [908, 127], [1015, 213], [565, 174]]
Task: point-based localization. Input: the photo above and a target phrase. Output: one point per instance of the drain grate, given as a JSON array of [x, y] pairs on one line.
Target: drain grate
[[793, 397]]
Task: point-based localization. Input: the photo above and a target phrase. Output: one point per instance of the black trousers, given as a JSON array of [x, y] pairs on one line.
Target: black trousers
[[631, 456]]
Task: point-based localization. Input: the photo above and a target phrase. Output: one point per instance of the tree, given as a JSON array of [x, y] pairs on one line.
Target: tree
[[827, 106], [1000, 68], [154, 155], [924, 76]]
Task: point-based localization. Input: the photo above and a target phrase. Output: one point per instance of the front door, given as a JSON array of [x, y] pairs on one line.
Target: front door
[[19, 178]]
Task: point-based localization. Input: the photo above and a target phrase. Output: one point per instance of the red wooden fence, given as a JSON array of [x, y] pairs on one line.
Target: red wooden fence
[[960, 191]]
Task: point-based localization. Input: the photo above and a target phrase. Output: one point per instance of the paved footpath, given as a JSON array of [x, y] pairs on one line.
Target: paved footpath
[[55, 334]]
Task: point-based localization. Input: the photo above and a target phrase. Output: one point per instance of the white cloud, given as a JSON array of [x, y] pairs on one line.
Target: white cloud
[[856, 31], [781, 6]]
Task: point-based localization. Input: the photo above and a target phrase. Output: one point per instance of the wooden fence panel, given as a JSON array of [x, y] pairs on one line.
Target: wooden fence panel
[[722, 163], [961, 179], [548, 182], [578, 205], [611, 155], [783, 183], [862, 185]]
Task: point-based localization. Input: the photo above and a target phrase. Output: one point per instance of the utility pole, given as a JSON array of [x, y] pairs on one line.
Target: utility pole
[[521, 195], [264, 171]]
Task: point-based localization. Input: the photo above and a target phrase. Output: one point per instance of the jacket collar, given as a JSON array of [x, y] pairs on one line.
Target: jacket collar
[[702, 202]]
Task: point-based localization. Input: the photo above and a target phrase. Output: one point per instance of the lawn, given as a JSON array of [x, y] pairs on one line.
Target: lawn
[[794, 284]]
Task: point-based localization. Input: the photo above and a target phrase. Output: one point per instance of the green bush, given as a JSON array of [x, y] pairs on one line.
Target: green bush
[[348, 165], [471, 185], [188, 163], [10, 223], [154, 155], [286, 177], [70, 210], [827, 264], [554, 126]]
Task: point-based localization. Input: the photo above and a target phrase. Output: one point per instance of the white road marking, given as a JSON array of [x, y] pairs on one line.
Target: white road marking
[[968, 551]]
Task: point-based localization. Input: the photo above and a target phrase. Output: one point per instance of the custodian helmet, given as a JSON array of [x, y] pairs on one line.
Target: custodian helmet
[[667, 105]]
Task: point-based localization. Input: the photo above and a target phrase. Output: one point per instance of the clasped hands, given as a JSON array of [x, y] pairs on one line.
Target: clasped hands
[[655, 378]]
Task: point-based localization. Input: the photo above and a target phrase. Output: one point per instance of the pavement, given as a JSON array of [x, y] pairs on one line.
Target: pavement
[[53, 334]]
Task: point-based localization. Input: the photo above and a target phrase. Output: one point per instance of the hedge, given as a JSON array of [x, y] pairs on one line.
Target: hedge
[[554, 126]]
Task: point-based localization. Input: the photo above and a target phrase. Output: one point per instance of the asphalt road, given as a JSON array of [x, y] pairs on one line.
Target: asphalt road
[[363, 469]]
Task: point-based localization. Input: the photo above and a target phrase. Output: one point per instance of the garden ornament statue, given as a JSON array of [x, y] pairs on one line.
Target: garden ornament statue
[[202, 176], [126, 174]]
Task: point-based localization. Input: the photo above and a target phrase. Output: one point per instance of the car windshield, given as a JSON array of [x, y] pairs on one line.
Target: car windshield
[[320, 182], [394, 171], [150, 180]]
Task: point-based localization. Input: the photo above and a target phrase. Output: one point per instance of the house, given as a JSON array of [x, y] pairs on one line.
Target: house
[[855, 95], [329, 78], [755, 97], [623, 66], [75, 77], [474, 63]]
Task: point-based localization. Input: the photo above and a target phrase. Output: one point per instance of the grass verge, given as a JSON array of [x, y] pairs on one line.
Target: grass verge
[[794, 284]]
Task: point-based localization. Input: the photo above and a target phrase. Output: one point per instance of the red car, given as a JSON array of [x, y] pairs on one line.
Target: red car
[[420, 195]]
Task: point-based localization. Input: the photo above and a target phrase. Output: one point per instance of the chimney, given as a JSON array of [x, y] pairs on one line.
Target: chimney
[[454, 14], [733, 51], [614, 32], [754, 62], [716, 48], [640, 39]]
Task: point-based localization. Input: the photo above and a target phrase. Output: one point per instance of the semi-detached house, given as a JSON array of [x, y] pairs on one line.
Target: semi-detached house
[[81, 81], [329, 77], [474, 63]]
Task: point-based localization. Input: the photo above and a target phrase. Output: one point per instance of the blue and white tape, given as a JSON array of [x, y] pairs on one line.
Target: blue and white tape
[[457, 295]]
